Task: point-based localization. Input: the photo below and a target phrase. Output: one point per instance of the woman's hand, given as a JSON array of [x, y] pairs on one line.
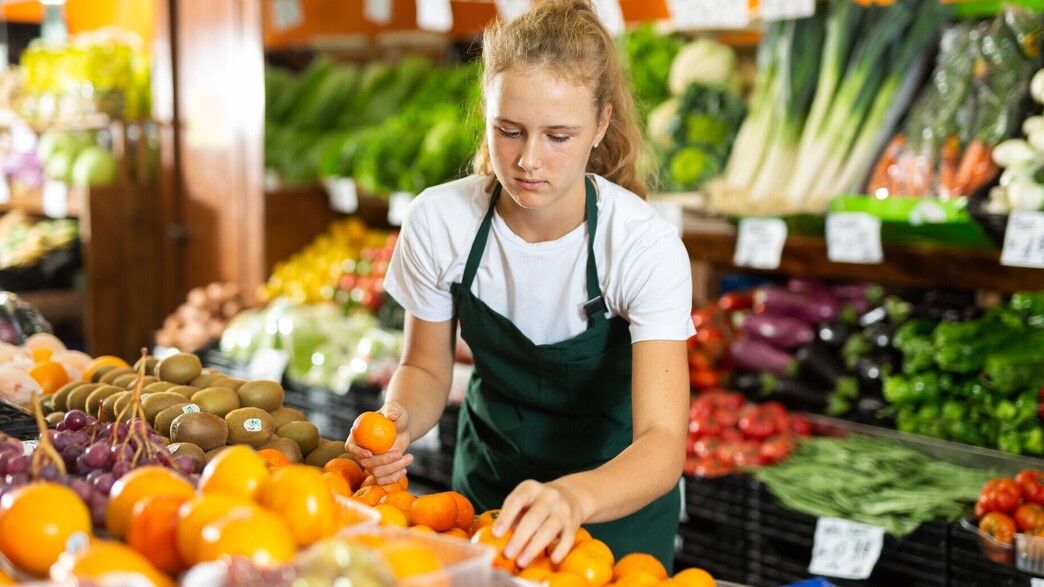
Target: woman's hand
[[391, 466], [540, 513]]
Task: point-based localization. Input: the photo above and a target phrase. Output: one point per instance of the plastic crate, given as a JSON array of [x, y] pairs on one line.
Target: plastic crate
[[465, 564], [969, 567], [434, 467], [18, 422], [725, 499], [717, 548], [448, 427]]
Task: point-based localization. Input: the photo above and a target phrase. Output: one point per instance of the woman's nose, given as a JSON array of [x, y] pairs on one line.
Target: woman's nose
[[530, 157]]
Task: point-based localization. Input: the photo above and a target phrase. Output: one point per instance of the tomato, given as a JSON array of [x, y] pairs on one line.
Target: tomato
[[702, 405], [1000, 526], [709, 467], [708, 334], [1032, 484], [800, 425], [733, 301], [1029, 517], [748, 456], [1000, 495], [757, 424], [773, 449], [698, 360], [705, 426], [704, 379], [732, 435], [702, 317], [706, 446], [726, 417], [732, 400], [690, 444]]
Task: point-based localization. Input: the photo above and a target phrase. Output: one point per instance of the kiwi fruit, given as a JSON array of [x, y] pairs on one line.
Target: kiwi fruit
[[166, 416], [179, 368], [125, 380], [77, 399], [147, 380], [47, 404], [187, 449], [94, 401], [58, 398], [251, 426], [326, 451], [229, 382], [186, 390], [286, 446], [285, 415], [200, 428], [150, 364], [158, 385], [157, 402], [216, 400], [261, 393], [101, 371], [210, 454], [120, 405], [205, 377], [304, 433], [111, 376], [55, 417], [109, 405]]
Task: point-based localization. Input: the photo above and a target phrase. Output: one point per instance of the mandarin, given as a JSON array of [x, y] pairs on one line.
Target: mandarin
[[399, 499], [370, 495], [484, 519], [102, 557], [392, 516], [337, 484], [36, 521], [598, 547], [196, 513], [348, 469], [638, 579], [694, 577], [273, 457], [153, 531], [560, 579], [465, 511], [639, 561], [236, 470], [300, 496], [374, 432], [589, 565], [148, 481], [410, 558], [422, 529], [255, 533], [437, 510], [484, 535]]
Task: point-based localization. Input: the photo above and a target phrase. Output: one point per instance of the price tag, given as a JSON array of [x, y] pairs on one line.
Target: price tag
[[55, 199], [759, 243], [398, 205], [853, 237], [434, 15], [611, 15], [344, 198], [268, 364], [509, 9], [709, 14], [286, 14], [1024, 240], [770, 10], [5, 191], [844, 549], [378, 11], [1036, 582]]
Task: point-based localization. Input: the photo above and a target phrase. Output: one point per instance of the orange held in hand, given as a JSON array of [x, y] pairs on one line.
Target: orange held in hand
[[374, 432]]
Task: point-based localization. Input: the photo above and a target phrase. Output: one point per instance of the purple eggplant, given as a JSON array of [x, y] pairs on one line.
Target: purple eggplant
[[858, 291], [782, 332], [756, 355], [812, 307], [806, 286]]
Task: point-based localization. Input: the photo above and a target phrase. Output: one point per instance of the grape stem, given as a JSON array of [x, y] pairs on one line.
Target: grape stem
[[137, 412], [44, 449]]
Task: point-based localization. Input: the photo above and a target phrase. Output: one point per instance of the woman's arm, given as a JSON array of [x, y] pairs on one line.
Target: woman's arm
[[644, 471], [416, 395]]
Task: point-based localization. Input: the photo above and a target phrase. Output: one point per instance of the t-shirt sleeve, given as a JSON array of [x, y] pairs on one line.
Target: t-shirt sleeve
[[659, 298], [413, 276]]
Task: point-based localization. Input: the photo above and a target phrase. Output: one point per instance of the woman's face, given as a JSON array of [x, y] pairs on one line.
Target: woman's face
[[540, 130]]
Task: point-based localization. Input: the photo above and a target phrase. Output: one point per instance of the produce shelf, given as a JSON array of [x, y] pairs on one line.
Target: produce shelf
[[32, 201], [57, 305]]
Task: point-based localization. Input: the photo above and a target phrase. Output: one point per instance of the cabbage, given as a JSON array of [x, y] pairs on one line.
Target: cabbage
[[704, 61], [94, 166]]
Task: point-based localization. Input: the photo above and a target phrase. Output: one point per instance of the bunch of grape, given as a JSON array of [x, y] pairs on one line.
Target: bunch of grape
[[95, 455]]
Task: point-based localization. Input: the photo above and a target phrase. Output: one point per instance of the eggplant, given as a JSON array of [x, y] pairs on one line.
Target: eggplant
[[755, 355], [868, 292], [820, 363], [803, 285], [874, 315], [749, 383], [835, 333], [796, 393], [875, 365], [812, 307], [880, 335], [781, 332]]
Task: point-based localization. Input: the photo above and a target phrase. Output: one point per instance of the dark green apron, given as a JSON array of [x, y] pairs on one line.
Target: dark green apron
[[544, 411]]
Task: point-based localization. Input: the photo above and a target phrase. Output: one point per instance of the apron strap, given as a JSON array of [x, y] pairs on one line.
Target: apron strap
[[595, 306]]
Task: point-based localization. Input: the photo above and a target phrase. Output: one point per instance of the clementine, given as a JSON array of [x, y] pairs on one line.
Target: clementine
[[465, 511], [36, 521], [589, 565], [374, 432], [273, 457], [102, 557], [148, 481], [561, 579], [484, 519], [236, 470], [399, 499], [484, 535], [153, 531], [299, 495], [410, 558], [638, 579], [348, 469], [337, 484], [371, 494], [694, 577], [196, 513], [392, 516], [639, 561], [437, 510], [253, 532], [422, 529]]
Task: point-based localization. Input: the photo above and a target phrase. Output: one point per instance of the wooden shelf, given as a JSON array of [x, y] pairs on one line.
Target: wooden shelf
[[56, 305], [32, 201], [714, 242]]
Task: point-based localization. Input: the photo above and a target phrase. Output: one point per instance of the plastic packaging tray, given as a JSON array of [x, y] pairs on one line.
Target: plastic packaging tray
[[464, 564], [994, 549], [1029, 554]]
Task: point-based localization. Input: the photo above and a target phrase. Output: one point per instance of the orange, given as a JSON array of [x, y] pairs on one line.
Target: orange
[[465, 511], [484, 535], [41, 354], [6, 579], [457, 533], [392, 516], [540, 567], [148, 481], [589, 565], [299, 495], [399, 499], [253, 532], [437, 510], [639, 561], [106, 556], [581, 535], [153, 531], [348, 469], [638, 579], [535, 574], [36, 520], [409, 558], [101, 362], [236, 470], [196, 513], [423, 529], [597, 547], [694, 577], [273, 457], [371, 494], [337, 484], [484, 519], [667, 583], [565, 580], [374, 432], [50, 375]]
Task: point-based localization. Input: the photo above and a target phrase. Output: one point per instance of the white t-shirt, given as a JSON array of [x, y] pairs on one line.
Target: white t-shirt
[[643, 268]]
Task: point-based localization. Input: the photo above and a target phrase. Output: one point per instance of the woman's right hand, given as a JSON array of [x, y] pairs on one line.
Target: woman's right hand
[[391, 466]]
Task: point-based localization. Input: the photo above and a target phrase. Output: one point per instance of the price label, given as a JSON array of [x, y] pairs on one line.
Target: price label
[[5, 191], [509, 9], [759, 243], [1036, 582], [268, 364], [344, 198], [286, 14], [770, 10], [398, 205], [853, 237], [55, 199], [709, 14], [1024, 240], [844, 549], [611, 15], [378, 11], [434, 15]]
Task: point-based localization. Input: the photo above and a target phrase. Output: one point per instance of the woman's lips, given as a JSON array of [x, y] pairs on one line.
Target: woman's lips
[[530, 184]]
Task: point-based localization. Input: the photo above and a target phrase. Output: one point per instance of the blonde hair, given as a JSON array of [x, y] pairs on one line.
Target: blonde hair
[[568, 38]]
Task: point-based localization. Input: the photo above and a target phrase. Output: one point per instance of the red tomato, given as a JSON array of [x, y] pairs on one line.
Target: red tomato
[[698, 360], [726, 417], [708, 334], [773, 449], [702, 317], [800, 425], [1000, 495], [1000, 526], [732, 400], [732, 435], [757, 424], [704, 379], [709, 467], [702, 405], [1032, 484], [733, 301], [690, 444], [706, 446], [1029, 517], [704, 426]]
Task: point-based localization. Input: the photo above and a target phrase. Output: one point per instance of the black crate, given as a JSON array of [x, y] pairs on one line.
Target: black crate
[[969, 567], [212, 358], [448, 427], [720, 549], [432, 466], [18, 422], [724, 500]]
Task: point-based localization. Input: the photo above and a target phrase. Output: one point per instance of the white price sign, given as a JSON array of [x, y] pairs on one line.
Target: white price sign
[[844, 549], [55, 199], [5, 191], [398, 205], [1036, 582], [378, 11], [709, 14], [1024, 240], [344, 198], [853, 237], [434, 15], [286, 14], [509, 9], [759, 242], [268, 364], [770, 10], [611, 14]]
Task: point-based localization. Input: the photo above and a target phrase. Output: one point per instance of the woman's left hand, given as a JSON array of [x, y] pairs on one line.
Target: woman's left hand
[[540, 514]]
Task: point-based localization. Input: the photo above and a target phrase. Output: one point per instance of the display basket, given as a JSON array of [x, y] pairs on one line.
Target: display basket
[[18, 422], [970, 565], [464, 564], [1026, 553]]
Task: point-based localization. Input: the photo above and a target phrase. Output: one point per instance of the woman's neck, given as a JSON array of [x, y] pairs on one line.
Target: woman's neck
[[543, 224]]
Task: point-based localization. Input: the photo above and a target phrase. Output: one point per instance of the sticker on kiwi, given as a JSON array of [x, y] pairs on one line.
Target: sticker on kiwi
[[190, 409], [252, 425]]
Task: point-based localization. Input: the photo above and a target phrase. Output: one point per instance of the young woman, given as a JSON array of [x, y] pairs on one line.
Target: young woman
[[573, 295]]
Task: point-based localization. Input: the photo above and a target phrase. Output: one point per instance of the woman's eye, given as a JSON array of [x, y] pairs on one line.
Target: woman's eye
[[559, 138], [511, 134]]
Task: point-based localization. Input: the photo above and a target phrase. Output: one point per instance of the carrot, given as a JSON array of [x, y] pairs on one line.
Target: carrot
[[973, 157], [949, 157], [880, 177], [983, 172]]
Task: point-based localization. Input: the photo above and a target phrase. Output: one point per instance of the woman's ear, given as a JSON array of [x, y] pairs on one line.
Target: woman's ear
[[603, 122]]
